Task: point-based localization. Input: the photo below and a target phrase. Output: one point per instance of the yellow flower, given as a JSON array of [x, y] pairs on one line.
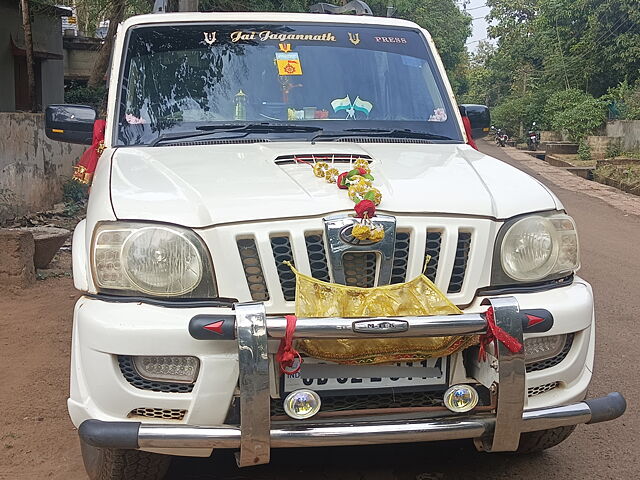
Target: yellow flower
[[376, 234], [362, 163], [361, 231], [320, 168], [331, 175]]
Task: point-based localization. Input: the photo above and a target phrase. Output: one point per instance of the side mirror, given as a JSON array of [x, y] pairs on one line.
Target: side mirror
[[479, 117], [70, 123]]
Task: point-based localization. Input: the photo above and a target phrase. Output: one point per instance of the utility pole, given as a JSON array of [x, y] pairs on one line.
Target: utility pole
[[28, 47]]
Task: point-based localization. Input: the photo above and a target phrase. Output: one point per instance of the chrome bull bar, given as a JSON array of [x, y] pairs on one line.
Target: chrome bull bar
[[256, 436], [253, 328]]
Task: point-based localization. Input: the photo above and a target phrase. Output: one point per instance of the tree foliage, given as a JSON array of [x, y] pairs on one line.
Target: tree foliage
[[589, 48]]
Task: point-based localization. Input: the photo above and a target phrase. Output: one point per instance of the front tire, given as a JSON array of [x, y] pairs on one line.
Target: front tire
[[531, 442], [116, 464]]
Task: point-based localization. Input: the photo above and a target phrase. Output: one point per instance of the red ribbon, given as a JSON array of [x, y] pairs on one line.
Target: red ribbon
[[287, 355], [83, 172], [494, 335], [467, 129]]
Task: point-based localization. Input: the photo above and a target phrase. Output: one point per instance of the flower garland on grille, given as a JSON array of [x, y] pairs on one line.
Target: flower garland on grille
[[359, 185]]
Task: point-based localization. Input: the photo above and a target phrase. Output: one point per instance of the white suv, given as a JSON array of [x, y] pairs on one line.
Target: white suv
[[204, 190]]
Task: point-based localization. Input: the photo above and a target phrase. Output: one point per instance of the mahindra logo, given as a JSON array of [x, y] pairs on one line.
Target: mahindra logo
[[380, 326]]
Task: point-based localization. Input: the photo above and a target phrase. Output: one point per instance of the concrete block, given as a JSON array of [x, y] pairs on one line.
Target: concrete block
[[48, 241], [16, 258], [562, 148]]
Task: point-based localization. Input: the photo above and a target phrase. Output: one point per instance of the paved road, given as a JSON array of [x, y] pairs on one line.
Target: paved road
[[610, 241]]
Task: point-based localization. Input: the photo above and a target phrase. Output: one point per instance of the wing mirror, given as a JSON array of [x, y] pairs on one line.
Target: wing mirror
[[70, 123], [479, 117]]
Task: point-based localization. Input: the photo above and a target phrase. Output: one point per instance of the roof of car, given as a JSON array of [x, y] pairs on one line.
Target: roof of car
[[261, 17]]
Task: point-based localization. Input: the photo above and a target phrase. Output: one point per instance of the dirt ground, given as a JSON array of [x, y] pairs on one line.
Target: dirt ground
[[38, 441]]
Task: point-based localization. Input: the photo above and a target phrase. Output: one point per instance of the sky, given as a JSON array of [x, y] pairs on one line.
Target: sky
[[477, 9]]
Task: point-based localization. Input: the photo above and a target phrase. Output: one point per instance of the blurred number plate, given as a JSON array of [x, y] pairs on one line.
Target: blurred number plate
[[319, 375]]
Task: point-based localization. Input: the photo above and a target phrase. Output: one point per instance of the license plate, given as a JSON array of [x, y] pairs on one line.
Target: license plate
[[319, 375]]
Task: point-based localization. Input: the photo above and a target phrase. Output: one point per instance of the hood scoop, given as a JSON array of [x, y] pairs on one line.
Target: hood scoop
[[344, 158]]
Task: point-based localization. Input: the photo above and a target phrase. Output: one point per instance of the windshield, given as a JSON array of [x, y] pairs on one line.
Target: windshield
[[188, 77]]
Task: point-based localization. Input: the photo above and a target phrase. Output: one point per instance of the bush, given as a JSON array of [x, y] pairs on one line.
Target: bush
[[575, 112], [584, 151], [92, 96], [74, 192], [613, 149]]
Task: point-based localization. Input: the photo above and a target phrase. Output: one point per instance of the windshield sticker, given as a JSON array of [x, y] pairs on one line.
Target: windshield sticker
[[209, 38], [354, 38], [266, 35], [284, 47], [288, 64], [133, 120], [358, 105], [390, 39], [439, 115]]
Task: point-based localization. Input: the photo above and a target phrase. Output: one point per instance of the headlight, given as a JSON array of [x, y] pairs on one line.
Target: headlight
[[157, 260], [537, 247]]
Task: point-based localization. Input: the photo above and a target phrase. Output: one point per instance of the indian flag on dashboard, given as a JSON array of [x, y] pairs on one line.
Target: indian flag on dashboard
[[341, 104]]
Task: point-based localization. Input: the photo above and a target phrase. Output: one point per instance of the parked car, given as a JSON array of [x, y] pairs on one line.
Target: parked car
[[205, 188]]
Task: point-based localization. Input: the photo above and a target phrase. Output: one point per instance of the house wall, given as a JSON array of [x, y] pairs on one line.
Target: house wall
[[33, 168], [47, 37], [9, 20]]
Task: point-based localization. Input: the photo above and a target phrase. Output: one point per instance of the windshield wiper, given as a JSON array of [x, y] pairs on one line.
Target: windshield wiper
[[379, 133], [246, 129]]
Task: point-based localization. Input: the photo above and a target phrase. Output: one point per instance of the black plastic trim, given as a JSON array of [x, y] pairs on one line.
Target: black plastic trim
[[226, 331], [221, 302], [606, 408], [528, 288], [109, 434]]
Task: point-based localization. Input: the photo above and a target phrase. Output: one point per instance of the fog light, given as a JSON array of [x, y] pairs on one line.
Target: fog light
[[168, 369], [541, 348], [302, 404], [460, 398]]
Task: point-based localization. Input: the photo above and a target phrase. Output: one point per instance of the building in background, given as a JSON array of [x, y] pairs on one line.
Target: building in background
[[48, 56]]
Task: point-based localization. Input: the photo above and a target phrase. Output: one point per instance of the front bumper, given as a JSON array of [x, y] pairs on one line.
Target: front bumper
[[499, 431], [130, 435]]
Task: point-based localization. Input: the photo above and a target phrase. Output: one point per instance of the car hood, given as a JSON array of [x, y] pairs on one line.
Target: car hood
[[205, 185]]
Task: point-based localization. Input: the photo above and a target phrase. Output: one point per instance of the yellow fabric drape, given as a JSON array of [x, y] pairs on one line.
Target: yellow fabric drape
[[315, 298]]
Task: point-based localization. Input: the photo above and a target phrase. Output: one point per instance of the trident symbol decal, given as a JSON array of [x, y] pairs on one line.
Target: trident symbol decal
[[284, 47], [354, 38], [210, 38]]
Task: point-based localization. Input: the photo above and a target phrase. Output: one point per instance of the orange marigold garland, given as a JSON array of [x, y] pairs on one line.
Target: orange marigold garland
[[359, 185]]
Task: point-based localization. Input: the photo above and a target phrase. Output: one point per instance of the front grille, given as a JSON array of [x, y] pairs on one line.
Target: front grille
[[540, 389], [164, 413], [131, 375], [553, 361], [447, 244]]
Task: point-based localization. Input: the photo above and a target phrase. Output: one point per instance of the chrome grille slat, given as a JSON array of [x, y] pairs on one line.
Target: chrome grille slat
[[317, 256], [460, 262], [401, 257], [282, 252], [434, 240], [253, 269]]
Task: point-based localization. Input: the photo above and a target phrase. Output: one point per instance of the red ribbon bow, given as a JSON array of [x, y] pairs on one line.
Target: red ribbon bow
[[287, 355], [494, 335], [83, 172]]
